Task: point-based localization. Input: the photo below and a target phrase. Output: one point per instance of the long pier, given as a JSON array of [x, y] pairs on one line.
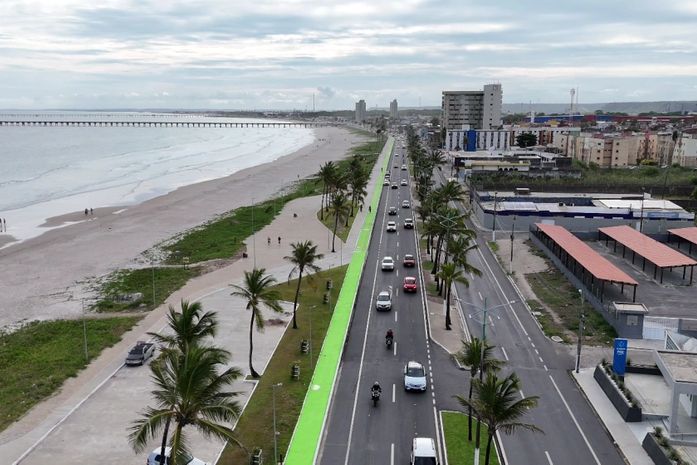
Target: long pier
[[165, 124]]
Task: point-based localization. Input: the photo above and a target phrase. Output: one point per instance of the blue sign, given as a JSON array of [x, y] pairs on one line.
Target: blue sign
[[619, 358]]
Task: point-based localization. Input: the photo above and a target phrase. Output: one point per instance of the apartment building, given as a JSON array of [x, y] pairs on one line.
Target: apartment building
[[463, 109], [503, 139], [686, 151], [360, 111], [617, 150], [394, 110]]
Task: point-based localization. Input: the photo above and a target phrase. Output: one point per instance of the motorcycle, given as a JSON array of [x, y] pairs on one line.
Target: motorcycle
[[388, 342], [375, 395]]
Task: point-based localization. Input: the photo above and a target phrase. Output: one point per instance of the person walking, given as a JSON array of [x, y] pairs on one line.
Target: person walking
[[279, 240], [268, 240]]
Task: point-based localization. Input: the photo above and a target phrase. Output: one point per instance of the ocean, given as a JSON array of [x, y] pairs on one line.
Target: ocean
[[51, 171]]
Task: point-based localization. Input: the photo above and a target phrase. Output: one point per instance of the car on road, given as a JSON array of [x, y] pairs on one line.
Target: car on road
[[383, 301], [408, 223], [140, 353], [395, 186], [406, 204], [404, 167], [183, 459], [410, 284], [423, 452], [386, 182], [396, 166], [392, 211], [391, 226], [404, 182], [409, 260], [414, 377], [387, 264]]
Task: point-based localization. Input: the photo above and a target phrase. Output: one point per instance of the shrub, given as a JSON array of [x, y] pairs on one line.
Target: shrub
[[658, 431], [674, 454]]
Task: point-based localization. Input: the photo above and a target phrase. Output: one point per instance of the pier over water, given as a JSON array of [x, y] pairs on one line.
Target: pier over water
[[155, 123]]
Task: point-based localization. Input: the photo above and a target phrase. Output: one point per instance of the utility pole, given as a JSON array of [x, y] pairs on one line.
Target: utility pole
[[275, 433], [84, 330], [254, 242], [641, 218], [493, 228], [581, 324]]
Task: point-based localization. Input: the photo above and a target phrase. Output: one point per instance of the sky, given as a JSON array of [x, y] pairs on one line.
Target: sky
[[266, 54]]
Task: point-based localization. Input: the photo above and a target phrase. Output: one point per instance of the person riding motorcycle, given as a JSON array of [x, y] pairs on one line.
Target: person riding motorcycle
[[389, 334], [376, 389]]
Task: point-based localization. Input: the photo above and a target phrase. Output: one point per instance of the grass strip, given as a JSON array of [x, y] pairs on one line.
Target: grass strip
[[460, 450], [146, 281], [36, 359], [255, 428]]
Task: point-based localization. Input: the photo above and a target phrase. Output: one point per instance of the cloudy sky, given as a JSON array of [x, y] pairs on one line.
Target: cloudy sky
[[253, 54]]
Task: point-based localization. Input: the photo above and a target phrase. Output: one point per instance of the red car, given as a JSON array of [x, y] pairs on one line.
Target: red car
[[409, 260], [410, 284]]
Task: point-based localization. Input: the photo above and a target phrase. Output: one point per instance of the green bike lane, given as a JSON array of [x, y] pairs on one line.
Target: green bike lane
[[308, 430]]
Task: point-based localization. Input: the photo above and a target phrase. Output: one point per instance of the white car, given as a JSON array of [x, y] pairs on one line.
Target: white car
[[154, 458], [404, 182], [404, 167], [414, 377], [383, 301], [406, 204], [391, 226], [386, 182], [387, 264], [423, 452]]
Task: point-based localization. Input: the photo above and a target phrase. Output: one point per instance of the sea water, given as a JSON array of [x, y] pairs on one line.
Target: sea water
[[50, 171]]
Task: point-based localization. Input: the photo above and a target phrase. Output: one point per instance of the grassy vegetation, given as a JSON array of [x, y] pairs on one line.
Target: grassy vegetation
[[342, 230], [552, 288], [493, 246], [547, 322], [460, 450], [167, 280], [38, 358], [255, 428]]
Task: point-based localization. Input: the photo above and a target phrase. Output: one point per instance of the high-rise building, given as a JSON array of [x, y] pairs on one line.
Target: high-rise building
[[394, 111], [360, 111], [472, 109]]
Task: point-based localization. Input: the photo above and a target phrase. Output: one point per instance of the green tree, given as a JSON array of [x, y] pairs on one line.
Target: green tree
[[449, 274], [189, 327], [257, 292], [340, 209], [497, 405], [474, 356], [189, 391], [526, 140], [303, 256], [326, 175]]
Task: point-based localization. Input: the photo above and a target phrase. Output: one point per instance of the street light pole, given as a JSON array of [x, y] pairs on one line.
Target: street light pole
[[254, 242], [275, 433], [641, 218], [493, 227], [512, 234], [581, 324]]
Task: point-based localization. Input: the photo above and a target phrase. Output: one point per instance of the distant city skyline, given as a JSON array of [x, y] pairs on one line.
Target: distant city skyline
[[282, 55]]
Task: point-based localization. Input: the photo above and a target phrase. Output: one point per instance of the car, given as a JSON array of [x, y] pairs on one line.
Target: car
[[383, 301], [404, 167], [410, 284], [387, 264], [392, 211], [404, 182], [183, 459], [414, 377], [423, 452], [408, 223], [409, 260], [386, 182], [406, 204], [140, 353], [396, 166], [395, 186], [391, 226]]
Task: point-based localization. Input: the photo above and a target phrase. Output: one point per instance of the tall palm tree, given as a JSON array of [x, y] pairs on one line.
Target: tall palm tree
[[188, 327], [450, 273], [340, 210], [189, 390], [326, 175], [476, 354], [257, 291], [497, 405], [304, 256]]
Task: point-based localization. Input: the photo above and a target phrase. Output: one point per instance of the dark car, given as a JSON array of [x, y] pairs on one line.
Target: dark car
[[392, 211], [140, 353], [409, 260]]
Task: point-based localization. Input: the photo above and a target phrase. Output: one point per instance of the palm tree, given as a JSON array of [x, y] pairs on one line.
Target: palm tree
[[476, 354], [340, 210], [450, 273], [497, 405], [304, 256], [326, 175], [188, 327], [257, 291], [189, 391]]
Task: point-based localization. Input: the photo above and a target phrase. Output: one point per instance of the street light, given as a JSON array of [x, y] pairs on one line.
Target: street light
[[581, 324], [641, 218], [275, 433], [512, 234], [493, 228]]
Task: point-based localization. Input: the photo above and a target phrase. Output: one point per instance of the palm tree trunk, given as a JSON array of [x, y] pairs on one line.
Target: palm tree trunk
[[251, 346], [164, 441], [336, 224], [324, 193], [295, 302], [488, 448], [176, 444], [447, 306], [469, 408]]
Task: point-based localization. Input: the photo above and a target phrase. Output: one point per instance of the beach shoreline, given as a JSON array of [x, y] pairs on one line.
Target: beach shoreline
[[44, 276]]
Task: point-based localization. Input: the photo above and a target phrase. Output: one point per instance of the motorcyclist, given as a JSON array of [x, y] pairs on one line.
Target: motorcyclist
[[389, 334], [376, 389]]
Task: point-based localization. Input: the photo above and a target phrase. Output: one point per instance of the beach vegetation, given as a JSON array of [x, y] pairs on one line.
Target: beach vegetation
[[303, 257], [36, 359], [257, 292], [254, 427], [143, 289], [340, 210]]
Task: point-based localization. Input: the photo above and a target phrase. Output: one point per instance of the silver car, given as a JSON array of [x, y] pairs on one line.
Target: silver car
[[384, 301], [387, 264], [414, 377]]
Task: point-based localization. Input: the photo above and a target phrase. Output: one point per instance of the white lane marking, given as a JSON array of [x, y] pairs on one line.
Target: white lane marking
[[394, 393], [532, 344], [522, 396], [549, 459], [505, 355], [394, 349], [397, 291], [541, 361], [578, 427], [480, 296], [471, 275], [545, 367]]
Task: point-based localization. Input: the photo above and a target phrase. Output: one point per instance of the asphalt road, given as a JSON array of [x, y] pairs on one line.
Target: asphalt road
[[356, 431]]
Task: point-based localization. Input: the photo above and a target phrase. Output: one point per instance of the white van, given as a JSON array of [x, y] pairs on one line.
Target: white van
[[423, 452]]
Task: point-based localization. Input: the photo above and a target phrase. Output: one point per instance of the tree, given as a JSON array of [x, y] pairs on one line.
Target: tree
[[257, 291], [450, 273], [474, 356], [188, 328], [497, 405], [340, 210], [326, 175], [304, 256], [526, 140], [189, 391]]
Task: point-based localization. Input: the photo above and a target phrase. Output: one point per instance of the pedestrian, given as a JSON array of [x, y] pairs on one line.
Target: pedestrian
[[361, 207], [91, 211], [87, 211], [279, 240], [268, 240], [369, 209]]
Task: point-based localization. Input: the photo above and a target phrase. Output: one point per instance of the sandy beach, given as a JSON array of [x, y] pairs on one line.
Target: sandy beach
[[43, 277]]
